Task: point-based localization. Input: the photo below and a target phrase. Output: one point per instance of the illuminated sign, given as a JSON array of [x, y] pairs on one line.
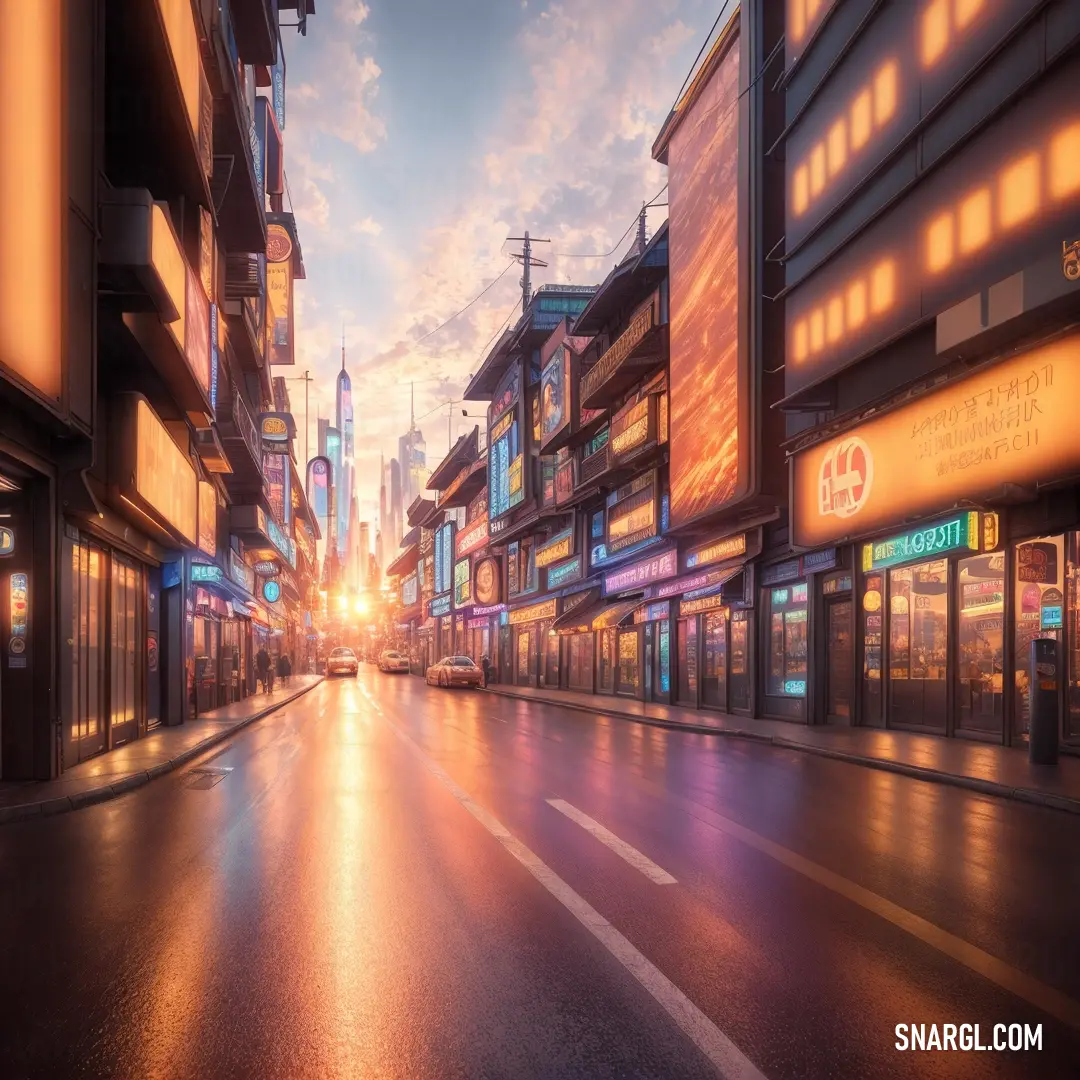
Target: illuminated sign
[[439, 605], [7, 541], [203, 574], [164, 477], [558, 547], [462, 583], [516, 481], [473, 537], [486, 584], [708, 370], [208, 508], [490, 609], [836, 585], [280, 541], [279, 289], [267, 567], [1013, 423], [728, 547], [620, 349], [652, 612], [704, 603], [274, 428], [206, 253], [952, 534], [777, 572], [555, 395], [1051, 618], [634, 518], [19, 606], [534, 612], [564, 481], [564, 572], [33, 186], [444, 557], [630, 428], [271, 591], [795, 688], [659, 566], [240, 572]]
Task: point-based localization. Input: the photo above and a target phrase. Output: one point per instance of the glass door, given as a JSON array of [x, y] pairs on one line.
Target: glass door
[[688, 661], [918, 645], [980, 643], [84, 722], [740, 682], [839, 660], [125, 633], [714, 684]]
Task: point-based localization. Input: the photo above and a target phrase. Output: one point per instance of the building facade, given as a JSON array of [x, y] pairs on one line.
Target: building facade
[[129, 447]]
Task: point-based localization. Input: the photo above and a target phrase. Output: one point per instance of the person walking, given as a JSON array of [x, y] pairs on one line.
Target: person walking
[[262, 666], [485, 663], [284, 668]]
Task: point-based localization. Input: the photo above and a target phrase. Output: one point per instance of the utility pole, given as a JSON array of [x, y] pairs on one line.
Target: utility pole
[[527, 261], [307, 380], [641, 240]]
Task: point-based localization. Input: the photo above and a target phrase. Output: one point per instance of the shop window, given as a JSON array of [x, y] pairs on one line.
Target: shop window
[[688, 660], [1039, 612], [980, 647], [629, 665], [524, 654], [607, 660], [787, 640], [581, 661], [664, 656], [918, 644], [714, 686]]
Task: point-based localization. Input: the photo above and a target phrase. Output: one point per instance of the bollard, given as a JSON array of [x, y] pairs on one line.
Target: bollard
[[1043, 734]]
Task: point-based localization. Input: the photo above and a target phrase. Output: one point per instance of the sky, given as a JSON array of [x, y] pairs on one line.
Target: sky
[[419, 134]]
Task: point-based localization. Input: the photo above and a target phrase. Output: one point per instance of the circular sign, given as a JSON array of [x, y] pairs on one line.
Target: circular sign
[[16, 646], [271, 591], [486, 586], [845, 478], [278, 243], [319, 467], [872, 600]]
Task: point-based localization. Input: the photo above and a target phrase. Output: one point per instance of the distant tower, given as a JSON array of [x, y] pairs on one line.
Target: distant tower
[[382, 526], [345, 427], [396, 514]]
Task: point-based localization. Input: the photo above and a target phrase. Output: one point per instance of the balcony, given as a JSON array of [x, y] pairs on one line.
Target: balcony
[[593, 467], [240, 440], [638, 350], [245, 305]]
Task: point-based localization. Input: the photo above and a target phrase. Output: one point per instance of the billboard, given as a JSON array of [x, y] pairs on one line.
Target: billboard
[[506, 453], [708, 459], [555, 395], [279, 288], [1012, 423]]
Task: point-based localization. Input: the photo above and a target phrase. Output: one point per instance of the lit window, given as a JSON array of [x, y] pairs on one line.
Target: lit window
[[939, 243], [837, 146], [812, 9], [800, 346], [800, 190], [817, 330], [1018, 191], [817, 169], [882, 286], [975, 221], [856, 304], [966, 10], [885, 93], [834, 320], [1065, 163], [861, 120], [934, 31]]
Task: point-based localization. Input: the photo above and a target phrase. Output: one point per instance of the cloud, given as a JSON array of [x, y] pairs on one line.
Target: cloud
[[353, 11], [368, 226]]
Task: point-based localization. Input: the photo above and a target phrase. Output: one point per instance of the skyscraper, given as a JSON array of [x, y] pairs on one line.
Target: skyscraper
[[412, 454], [382, 524], [345, 480], [397, 515]]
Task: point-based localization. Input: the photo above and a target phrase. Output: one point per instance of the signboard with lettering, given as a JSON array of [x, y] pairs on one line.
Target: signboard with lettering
[[558, 547], [1012, 423], [534, 612], [704, 603], [632, 514], [473, 537], [952, 534], [633, 427], [661, 609], [439, 605], [705, 579], [565, 572], [462, 583], [204, 573], [663, 565], [726, 547]]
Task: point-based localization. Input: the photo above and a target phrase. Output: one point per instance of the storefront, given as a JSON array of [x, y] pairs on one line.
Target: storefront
[[651, 622], [941, 609], [530, 627]]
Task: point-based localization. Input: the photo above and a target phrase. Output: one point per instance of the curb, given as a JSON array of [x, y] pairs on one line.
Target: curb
[[66, 803], [917, 772]]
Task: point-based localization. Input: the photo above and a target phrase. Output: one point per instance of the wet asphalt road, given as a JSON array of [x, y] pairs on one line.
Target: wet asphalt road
[[337, 905]]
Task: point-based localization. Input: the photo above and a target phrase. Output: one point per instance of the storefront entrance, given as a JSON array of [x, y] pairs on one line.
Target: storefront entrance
[[84, 692], [658, 661], [688, 661], [919, 646], [839, 660]]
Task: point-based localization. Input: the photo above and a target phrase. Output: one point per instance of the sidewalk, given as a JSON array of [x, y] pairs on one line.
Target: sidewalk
[[164, 749], [993, 770]]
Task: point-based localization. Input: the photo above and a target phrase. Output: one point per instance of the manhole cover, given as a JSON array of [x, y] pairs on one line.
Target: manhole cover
[[207, 776]]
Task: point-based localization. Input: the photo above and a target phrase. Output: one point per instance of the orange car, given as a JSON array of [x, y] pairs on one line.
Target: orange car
[[454, 671]]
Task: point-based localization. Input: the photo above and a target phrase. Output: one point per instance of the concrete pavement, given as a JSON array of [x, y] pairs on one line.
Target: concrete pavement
[[382, 879]]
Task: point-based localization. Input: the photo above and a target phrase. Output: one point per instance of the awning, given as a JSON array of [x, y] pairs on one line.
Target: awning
[[708, 580], [595, 615], [405, 563]]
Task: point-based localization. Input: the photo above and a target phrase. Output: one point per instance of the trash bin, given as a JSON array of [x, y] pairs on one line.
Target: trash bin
[[1045, 698]]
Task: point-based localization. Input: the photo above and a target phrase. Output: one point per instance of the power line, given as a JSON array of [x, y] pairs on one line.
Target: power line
[[491, 285], [607, 254]]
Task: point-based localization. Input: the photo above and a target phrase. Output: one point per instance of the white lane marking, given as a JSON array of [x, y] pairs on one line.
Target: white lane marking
[[1047, 998], [497, 719], [730, 1062], [654, 873]]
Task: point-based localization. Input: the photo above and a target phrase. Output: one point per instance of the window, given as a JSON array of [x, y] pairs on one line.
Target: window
[[918, 644], [714, 688], [980, 648], [787, 640], [629, 668]]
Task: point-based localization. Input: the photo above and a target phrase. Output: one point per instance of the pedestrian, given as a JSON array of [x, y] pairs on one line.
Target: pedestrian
[[262, 666], [284, 669], [485, 663]]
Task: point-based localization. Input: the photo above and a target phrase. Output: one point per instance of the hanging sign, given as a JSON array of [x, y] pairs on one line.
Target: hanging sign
[[7, 541], [271, 591]]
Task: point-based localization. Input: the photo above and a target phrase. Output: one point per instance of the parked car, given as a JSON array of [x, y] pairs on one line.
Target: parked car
[[454, 671], [391, 661], [342, 662]]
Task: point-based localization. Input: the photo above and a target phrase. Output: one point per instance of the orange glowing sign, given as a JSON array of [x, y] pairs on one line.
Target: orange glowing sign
[[872, 107], [183, 38], [804, 17], [708, 467], [1012, 423], [164, 478], [940, 22], [32, 194]]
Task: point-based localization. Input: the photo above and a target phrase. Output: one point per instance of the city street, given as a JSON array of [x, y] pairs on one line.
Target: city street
[[385, 879]]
